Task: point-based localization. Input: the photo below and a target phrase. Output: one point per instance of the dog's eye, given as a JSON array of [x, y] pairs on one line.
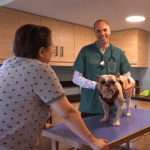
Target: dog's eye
[[103, 82], [112, 82]]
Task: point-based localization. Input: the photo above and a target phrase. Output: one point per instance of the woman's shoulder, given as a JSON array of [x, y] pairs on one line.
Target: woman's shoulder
[[38, 64]]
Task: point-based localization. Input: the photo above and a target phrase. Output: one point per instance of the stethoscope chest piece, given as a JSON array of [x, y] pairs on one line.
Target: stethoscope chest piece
[[112, 71], [102, 63]]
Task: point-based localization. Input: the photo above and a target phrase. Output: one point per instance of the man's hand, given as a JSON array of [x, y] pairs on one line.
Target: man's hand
[[129, 89]]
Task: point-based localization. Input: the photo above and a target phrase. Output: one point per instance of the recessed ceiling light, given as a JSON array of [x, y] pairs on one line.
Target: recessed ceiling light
[[135, 18], [4, 2]]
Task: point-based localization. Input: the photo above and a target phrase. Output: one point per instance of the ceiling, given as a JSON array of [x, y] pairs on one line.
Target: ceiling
[[86, 12]]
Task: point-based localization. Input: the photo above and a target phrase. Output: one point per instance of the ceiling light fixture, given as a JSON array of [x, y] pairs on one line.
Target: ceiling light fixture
[[4, 2], [135, 19]]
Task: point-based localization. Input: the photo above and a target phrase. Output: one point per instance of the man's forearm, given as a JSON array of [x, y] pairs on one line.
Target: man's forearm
[[81, 81], [128, 75], [131, 86]]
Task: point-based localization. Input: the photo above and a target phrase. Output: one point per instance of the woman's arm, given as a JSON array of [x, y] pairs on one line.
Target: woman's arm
[[72, 118]]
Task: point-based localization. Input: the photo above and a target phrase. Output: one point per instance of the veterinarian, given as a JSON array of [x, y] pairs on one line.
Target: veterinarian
[[28, 87], [94, 60]]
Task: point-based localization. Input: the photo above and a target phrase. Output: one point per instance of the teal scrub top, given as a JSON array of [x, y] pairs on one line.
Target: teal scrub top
[[88, 63]]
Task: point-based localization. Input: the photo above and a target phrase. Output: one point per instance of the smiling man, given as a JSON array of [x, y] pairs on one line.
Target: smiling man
[[93, 60], [102, 32]]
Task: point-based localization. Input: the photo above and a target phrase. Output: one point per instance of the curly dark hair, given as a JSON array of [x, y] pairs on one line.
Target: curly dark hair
[[29, 39]]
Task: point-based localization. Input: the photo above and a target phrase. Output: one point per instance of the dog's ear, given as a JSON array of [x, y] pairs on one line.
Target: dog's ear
[[97, 78], [117, 76]]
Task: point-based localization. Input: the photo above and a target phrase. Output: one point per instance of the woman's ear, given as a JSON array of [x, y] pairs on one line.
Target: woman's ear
[[41, 53]]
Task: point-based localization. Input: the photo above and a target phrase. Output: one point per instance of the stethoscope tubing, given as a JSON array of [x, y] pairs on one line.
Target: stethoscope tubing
[[111, 57]]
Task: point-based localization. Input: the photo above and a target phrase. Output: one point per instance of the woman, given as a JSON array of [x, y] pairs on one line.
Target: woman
[[28, 87]]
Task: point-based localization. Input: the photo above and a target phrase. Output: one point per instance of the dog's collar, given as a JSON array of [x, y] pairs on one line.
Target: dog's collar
[[110, 101]]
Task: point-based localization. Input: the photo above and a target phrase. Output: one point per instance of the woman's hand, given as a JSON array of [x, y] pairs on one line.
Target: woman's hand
[[100, 144], [47, 125]]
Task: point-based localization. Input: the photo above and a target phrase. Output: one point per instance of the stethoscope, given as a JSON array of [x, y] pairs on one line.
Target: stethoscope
[[102, 63]]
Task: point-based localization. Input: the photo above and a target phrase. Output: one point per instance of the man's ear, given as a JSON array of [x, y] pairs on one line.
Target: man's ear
[[97, 78], [110, 30]]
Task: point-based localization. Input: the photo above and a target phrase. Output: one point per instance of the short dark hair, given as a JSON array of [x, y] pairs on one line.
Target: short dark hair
[[29, 39], [101, 20]]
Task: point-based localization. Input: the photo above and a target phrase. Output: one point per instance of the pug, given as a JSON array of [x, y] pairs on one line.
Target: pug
[[111, 92]]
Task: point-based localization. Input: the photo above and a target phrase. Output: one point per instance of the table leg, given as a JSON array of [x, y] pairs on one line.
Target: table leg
[[55, 145], [128, 146]]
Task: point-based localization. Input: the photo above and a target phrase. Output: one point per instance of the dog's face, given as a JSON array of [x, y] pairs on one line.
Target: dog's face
[[107, 84]]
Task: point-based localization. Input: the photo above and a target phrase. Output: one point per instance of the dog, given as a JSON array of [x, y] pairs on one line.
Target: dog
[[111, 92]]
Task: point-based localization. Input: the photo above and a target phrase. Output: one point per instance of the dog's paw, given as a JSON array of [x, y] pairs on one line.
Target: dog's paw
[[103, 120], [116, 123], [128, 114]]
